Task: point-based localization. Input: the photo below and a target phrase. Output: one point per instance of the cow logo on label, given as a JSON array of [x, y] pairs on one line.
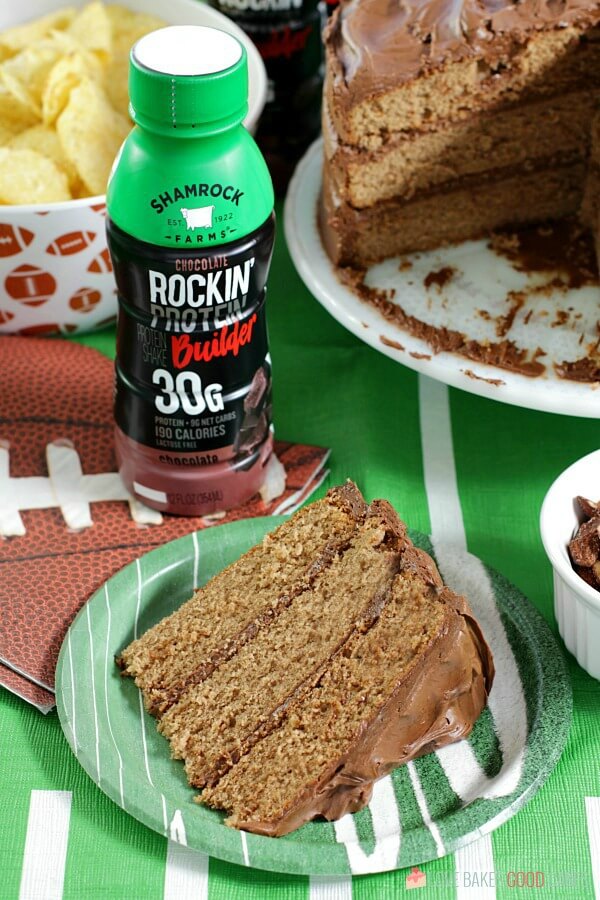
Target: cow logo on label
[[200, 217]]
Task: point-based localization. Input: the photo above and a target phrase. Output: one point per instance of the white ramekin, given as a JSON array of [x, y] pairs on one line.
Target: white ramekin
[[576, 604]]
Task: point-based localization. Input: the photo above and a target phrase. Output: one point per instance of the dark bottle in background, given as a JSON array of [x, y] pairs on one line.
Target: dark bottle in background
[[288, 36]]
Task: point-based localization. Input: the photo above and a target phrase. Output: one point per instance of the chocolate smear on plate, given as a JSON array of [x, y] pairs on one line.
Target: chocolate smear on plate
[[505, 323], [471, 374], [586, 370], [563, 250], [565, 247], [389, 343], [440, 278], [503, 354]]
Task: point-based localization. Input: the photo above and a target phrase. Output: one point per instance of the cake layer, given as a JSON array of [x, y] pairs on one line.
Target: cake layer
[[217, 722], [461, 211], [517, 135], [393, 69], [417, 680], [220, 618]]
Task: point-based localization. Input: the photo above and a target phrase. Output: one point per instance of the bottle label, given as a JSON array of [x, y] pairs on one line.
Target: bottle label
[[193, 373], [265, 9], [292, 51]]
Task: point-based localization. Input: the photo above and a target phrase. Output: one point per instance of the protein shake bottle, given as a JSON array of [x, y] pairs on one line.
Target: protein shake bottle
[[190, 230]]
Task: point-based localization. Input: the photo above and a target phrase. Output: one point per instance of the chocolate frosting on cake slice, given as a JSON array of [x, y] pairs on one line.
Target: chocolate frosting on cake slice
[[380, 44]]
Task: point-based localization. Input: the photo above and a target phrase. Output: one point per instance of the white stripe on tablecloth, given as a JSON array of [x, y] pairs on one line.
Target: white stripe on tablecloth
[[119, 757], [89, 624], [467, 575], [445, 513], [475, 866], [386, 828], [45, 854], [186, 871], [326, 887], [424, 809], [448, 531], [592, 814]]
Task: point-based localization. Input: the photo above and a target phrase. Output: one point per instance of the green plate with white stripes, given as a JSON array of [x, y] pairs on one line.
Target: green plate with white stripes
[[424, 809]]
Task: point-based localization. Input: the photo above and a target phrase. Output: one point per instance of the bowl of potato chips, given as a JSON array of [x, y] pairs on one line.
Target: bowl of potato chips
[[63, 116]]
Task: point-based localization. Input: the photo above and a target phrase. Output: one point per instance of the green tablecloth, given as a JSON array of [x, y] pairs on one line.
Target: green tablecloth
[[332, 390]]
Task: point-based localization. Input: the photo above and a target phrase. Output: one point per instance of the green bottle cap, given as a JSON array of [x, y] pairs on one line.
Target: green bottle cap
[[188, 80]]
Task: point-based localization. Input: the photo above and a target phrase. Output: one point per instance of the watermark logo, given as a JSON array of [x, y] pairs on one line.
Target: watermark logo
[[522, 879], [416, 878]]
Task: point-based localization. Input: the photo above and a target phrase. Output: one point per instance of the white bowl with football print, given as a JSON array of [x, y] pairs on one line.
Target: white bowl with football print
[[55, 271]]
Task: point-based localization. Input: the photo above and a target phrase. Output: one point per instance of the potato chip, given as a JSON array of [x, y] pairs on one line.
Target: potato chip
[[15, 115], [128, 27], [32, 65], [20, 94], [91, 132], [65, 42], [45, 141], [79, 191], [91, 28], [14, 39], [66, 74], [28, 177], [131, 25], [64, 99], [6, 135], [117, 73]]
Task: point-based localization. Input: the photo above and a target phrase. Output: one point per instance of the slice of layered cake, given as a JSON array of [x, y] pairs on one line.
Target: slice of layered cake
[[444, 121], [218, 721], [352, 661]]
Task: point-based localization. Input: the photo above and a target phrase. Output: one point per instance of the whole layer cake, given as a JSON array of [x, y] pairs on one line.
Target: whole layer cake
[[321, 659], [445, 120]]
